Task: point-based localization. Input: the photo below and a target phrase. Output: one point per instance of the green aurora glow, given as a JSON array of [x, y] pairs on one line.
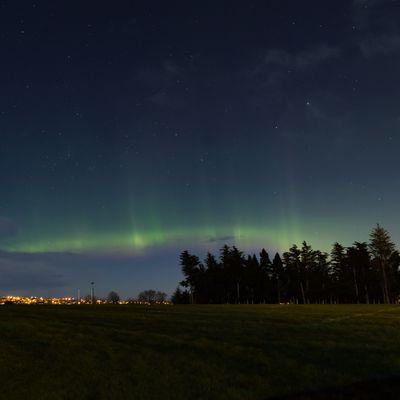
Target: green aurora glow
[[248, 237], [140, 241]]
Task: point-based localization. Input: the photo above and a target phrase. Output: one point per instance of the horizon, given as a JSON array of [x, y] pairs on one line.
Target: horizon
[[216, 251]]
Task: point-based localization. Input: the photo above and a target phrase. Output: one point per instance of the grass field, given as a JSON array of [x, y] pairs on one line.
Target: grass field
[[199, 352]]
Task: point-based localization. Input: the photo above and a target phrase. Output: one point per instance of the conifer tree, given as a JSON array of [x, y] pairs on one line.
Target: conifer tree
[[278, 275], [382, 249], [191, 269]]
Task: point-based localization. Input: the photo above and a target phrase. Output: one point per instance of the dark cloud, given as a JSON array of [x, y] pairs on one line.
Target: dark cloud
[[220, 239], [171, 69], [380, 45], [373, 13], [20, 271], [376, 27], [60, 274], [44, 271], [362, 11], [225, 239]]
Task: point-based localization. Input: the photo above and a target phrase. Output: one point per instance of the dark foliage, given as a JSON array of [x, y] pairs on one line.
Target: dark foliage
[[362, 273], [180, 296], [113, 297], [152, 296]]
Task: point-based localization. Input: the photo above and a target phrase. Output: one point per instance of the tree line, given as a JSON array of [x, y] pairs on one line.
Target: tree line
[[149, 296], [362, 273]]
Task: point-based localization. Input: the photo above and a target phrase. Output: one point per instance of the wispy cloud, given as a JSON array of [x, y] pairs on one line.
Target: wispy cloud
[[278, 65], [382, 44], [303, 59], [221, 239], [376, 13], [377, 28]]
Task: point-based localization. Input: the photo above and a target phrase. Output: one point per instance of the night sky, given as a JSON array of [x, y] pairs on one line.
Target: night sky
[[130, 131]]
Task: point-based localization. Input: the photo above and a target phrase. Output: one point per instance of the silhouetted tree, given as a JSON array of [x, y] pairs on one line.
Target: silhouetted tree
[[180, 296], [147, 296], [252, 281], [319, 278], [233, 264], [191, 269], [295, 274], [382, 250], [339, 278], [307, 260], [352, 261], [394, 268], [278, 277], [113, 297], [214, 281], [359, 262], [265, 278], [160, 297], [361, 273]]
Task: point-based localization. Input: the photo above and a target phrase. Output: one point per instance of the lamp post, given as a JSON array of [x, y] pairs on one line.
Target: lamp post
[[92, 292]]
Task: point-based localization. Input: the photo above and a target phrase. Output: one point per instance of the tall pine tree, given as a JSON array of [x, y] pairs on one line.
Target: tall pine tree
[[382, 249]]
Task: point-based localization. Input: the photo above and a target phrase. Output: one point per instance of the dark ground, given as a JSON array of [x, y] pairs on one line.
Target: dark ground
[[199, 352]]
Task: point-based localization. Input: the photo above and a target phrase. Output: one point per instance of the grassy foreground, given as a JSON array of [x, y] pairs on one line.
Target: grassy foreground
[[199, 352]]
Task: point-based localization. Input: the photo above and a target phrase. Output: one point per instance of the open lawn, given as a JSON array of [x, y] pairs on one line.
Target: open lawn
[[199, 352]]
